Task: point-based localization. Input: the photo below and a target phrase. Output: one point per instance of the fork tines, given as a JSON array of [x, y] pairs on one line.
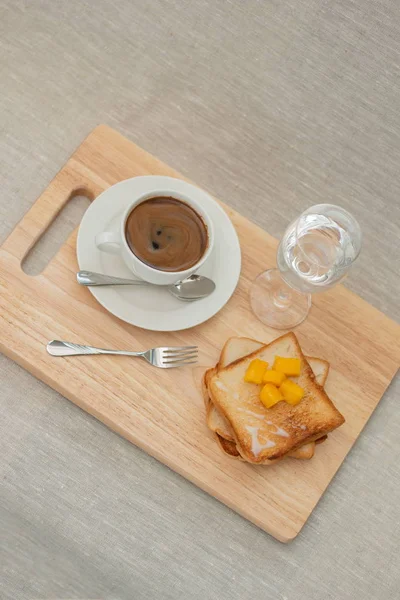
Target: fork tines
[[180, 356]]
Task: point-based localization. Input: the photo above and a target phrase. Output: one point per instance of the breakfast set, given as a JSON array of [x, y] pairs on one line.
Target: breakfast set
[[256, 390]]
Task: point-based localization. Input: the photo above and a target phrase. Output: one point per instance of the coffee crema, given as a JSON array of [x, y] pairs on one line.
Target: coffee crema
[[166, 234]]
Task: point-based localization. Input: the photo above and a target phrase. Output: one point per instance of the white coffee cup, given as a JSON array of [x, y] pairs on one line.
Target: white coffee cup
[[116, 243]]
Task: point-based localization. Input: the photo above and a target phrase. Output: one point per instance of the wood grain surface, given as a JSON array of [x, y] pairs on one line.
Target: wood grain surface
[[148, 407]]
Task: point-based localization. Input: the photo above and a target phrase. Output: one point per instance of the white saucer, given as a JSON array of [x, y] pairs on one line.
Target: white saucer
[[153, 307]]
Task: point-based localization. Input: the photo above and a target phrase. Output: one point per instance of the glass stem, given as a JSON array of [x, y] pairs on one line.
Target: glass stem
[[282, 298]]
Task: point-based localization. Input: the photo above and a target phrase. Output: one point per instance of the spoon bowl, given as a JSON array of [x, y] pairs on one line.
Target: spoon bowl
[[192, 288]]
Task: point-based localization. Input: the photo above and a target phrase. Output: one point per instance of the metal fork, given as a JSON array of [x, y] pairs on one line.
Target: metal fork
[[164, 358]]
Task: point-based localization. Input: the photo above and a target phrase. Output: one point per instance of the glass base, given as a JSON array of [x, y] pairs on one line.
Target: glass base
[[275, 303]]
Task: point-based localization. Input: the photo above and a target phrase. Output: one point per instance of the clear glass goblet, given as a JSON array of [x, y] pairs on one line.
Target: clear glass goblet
[[314, 254]]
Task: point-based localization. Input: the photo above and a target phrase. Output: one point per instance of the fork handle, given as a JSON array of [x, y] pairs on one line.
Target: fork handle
[[90, 278], [59, 348]]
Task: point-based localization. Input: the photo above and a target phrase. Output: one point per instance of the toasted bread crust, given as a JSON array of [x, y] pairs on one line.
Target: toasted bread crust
[[303, 453], [248, 345], [228, 447]]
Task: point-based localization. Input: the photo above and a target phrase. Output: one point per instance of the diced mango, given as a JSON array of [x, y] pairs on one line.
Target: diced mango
[[270, 395], [291, 392], [289, 366], [255, 371], [275, 377]]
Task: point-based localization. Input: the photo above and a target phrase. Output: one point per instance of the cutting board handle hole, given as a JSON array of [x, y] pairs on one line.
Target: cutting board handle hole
[[48, 244]]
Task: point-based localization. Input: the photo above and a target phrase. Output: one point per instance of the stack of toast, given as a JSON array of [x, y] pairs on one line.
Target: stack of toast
[[244, 428]]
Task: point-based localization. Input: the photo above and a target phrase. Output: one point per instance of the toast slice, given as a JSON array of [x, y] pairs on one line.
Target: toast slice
[[263, 435], [234, 349]]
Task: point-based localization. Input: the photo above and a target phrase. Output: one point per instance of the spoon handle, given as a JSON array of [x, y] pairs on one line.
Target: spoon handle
[[89, 278]]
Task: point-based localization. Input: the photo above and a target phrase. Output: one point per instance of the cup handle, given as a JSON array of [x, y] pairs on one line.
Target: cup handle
[[108, 242]]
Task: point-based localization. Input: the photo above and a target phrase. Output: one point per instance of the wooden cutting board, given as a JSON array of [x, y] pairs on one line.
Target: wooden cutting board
[[162, 410]]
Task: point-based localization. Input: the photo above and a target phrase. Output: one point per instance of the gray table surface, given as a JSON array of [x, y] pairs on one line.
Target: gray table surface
[[271, 106]]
